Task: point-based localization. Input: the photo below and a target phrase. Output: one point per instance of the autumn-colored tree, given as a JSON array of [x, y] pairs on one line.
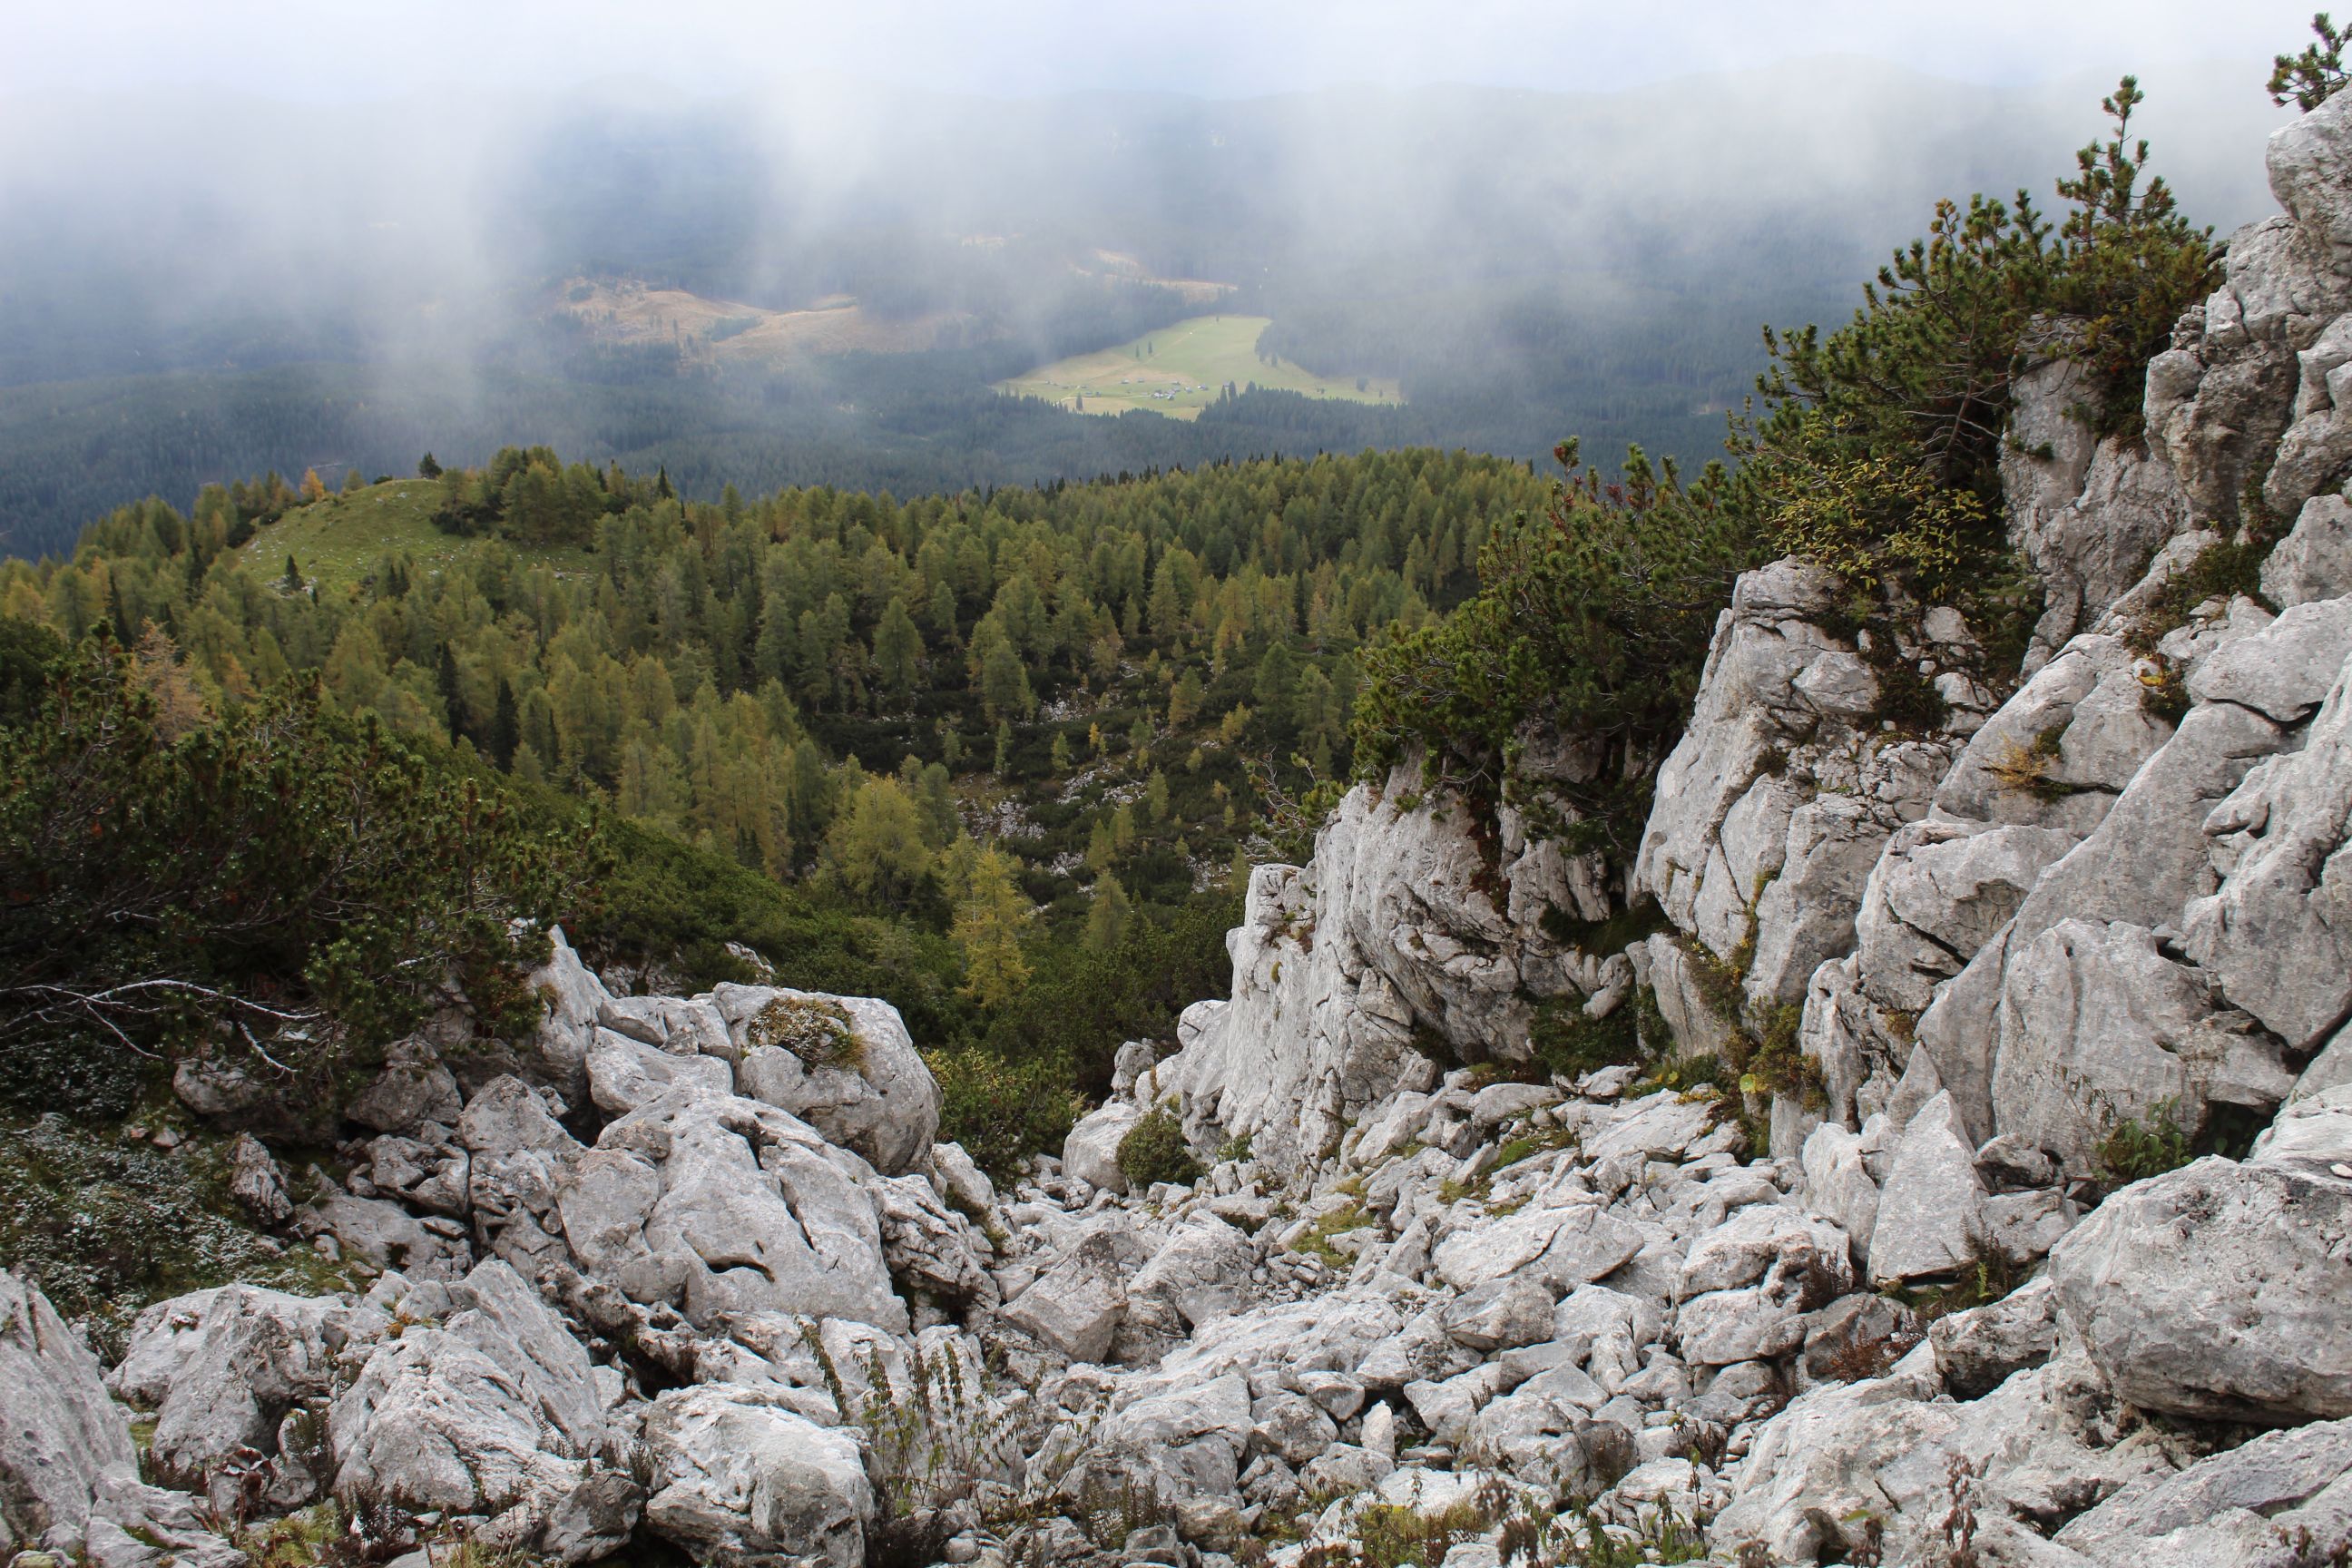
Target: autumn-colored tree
[[1108, 916], [876, 846], [990, 917]]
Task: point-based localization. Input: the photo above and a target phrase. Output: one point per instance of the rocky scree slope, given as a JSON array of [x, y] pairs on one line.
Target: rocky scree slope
[[694, 1269]]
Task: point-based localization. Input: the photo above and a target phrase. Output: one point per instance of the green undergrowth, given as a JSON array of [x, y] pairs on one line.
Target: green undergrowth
[[104, 1225], [1316, 1242]]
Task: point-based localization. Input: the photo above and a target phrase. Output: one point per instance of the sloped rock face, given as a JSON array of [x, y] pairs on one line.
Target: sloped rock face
[[60, 1434], [1774, 807], [1406, 919]]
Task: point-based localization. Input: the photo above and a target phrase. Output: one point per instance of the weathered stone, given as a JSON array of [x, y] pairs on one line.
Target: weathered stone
[[1930, 1213], [1837, 1184], [256, 1182], [2097, 1027], [2310, 164], [1811, 1483], [1202, 1271], [727, 1204], [2266, 1476], [2278, 932], [2224, 1289], [222, 1368], [1979, 1350], [962, 1183], [494, 1407], [1291, 1427], [519, 1158], [1090, 1152], [927, 1247], [59, 1433], [844, 1065], [1558, 1248], [739, 1478], [413, 1088], [1501, 1314], [1754, 1241], [2314, 560], [1075, 1306], [2284, 670], [626, 1073], [1938, 893]]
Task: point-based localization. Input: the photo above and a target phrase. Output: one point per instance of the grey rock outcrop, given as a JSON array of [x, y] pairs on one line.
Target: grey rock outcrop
[[844, 1065], [495, 1412], [222, 1369], [2224, 1289], [739, 1478], [60, 1434]]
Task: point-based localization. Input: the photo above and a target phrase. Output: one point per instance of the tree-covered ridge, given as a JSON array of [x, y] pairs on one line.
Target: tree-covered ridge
[[732, 672], [989, 755]]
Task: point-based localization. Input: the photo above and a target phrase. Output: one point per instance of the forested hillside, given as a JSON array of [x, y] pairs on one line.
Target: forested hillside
[[998, 745]]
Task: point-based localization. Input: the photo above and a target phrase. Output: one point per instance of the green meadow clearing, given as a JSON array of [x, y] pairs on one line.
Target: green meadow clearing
[[1180, 369], [338, 542]]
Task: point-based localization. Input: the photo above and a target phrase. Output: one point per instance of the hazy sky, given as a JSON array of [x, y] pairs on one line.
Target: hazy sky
[[340, 49]]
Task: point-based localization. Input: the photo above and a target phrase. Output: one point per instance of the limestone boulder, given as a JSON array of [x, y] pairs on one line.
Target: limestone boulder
[[1075, 1307], [1981, 1349], [2271, 1479], [1185, 1442], [1812, 1481], [927, 1247], [2217, 407], [60, 1433], [415, 1087], [625, 1073], [1199, 1274], [2314, 560], [519, 1157], [2284, 670], [1762, 1237], [2310, 164], [727, 1204], [740, 1478], [844, 1065], [1931, 1219], [493, 1410], [1500, 1314], [1090, 1152], [2223, 1289], [1558, 1248], [222, 1368]]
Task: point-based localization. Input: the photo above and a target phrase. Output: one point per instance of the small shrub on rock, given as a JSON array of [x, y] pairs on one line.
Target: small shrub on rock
[[1001, 1111], [2134, 1150], [1154, 1150], [813, 1029]]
